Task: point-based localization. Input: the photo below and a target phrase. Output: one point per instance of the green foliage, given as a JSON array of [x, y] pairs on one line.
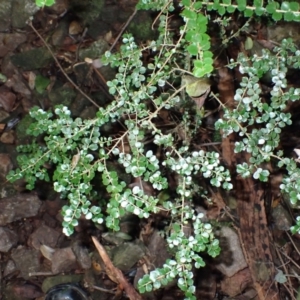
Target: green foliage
[[78, 151], [288, 11], [42, 3], [41, 83], [269, 118]]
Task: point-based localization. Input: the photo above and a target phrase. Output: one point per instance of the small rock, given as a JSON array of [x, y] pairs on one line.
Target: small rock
[[95, 50], [158, 249], [59, 7], [283, 30], [282, 218], [26, 260], [21, 11], [8, 239], [18, 207], [9, 268], [3, 115], [5, 15], [8, 137], [16, 83], [10, 41], [27, 290], [82, 255], [63, 260], [7, 67], [49, 220], [5, 165], [7, 98], [32, 59], [231, 257], [75, 28], [235, 285], [128, 254], [44, 235], [59, 34]]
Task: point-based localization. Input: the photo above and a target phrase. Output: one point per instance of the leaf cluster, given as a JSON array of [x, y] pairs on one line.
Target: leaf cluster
[[78, 151]]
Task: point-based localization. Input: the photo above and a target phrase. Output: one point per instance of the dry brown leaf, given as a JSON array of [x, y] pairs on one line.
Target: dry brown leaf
[[7, 99]]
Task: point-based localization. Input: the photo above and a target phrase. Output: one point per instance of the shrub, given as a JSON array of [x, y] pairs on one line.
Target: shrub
[[78, 150]]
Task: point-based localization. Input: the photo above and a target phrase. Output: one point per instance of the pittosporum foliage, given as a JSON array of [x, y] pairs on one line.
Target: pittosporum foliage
[[78, 150]]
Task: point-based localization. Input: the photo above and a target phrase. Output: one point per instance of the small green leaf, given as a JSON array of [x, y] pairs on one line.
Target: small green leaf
[[242, 5], [294, 6], [231, 9], [260, 11], [277, 16], [42, 3], [271, 7], [285, 6], [258, 3], [221, 10], [280, 277], [41, 83], [193, 49], [288, 16], [248, 13], [248, 45]]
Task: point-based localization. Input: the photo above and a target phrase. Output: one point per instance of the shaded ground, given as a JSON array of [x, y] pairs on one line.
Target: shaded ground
[[34, 253]]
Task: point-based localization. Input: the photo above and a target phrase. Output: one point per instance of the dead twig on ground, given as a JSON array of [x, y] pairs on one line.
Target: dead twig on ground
[[115, 274]]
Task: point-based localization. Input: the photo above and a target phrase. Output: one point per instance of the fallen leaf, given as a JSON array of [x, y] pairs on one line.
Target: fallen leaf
[[7, 99], [195, 87]]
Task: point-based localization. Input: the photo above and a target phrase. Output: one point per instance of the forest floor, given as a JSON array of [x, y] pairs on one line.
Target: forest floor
[[257, 248]]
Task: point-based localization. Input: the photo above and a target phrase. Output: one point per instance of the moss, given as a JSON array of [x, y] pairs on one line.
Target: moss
[[87, 10], [140, 26], [32, 59]]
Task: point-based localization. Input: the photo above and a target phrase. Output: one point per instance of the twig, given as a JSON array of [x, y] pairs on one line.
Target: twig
[[115, 274], [103, 290], [41, 274], [290, 286], [61, 68], [295, 247], [122, 30]]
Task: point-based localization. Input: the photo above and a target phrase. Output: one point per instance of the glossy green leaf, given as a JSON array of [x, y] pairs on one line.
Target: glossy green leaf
[[258, 3], [285, 6], [221, 10], [248, 13], [216, 4], [242, 5], [189, 14], [231, 8], [198, 5], [193, 49], [259, 11], [294, 6], [42, 3], [288, 16], [41, 83], [271, 7], [186, 2], [277, 16]]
